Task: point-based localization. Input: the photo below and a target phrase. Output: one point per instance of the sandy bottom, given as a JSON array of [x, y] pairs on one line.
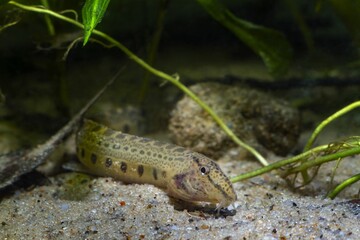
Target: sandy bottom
[[102, 208]]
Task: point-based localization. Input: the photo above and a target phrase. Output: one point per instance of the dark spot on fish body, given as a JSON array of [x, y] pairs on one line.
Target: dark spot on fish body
[[93, 158], [148, 153], [140, 170], [108, 162], [133, 150], [106, 145], [154, 172], [142, 152], [126, 148], [179, 150], [123, 167], [163, 174], [159, 156], [196, 159], [216, 171]]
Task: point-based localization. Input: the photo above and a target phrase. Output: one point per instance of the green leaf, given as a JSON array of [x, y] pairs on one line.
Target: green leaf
[[270, 45], [92, 13]]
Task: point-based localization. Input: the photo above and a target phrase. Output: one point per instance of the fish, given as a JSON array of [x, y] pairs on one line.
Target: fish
[[182, 173]]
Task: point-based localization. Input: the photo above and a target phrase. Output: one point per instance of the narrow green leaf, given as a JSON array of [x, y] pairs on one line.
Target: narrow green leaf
[[270, 45], [348, 182], [92, 13]]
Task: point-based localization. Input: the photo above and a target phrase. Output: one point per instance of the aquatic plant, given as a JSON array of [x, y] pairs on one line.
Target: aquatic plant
[[269, 44], [309, 159], [312, 158]]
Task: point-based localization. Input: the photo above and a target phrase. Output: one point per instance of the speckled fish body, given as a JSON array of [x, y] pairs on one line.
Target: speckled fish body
[[184, 174]]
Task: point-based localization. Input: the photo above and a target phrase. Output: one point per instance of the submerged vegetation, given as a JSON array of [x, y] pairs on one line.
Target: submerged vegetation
[[311, 159], [269, 44]]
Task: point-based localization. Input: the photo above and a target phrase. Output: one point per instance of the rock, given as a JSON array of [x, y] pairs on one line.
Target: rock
[[127, 119], [257, 118]]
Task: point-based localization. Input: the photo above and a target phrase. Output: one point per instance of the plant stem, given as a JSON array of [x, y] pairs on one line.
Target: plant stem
[[48, 21], [324, 159], [299, 158], [154, 71], [320, 127], [278, 164], [153, 46], [343, 185]]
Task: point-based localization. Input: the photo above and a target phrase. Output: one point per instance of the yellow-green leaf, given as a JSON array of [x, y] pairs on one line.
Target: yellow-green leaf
[[92, 13]]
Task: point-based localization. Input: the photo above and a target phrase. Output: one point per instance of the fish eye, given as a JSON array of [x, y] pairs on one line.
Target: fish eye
[[204, 170]]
